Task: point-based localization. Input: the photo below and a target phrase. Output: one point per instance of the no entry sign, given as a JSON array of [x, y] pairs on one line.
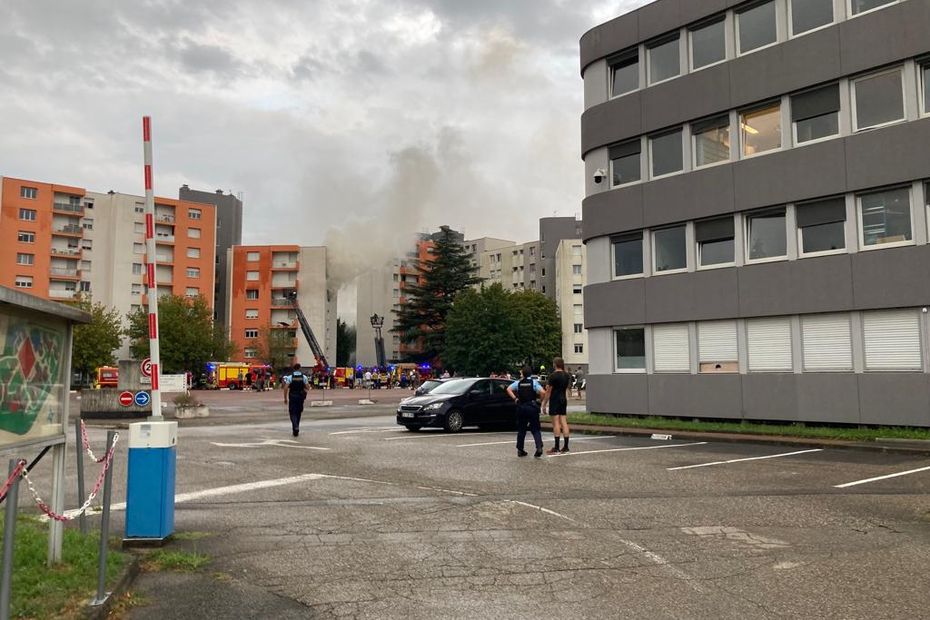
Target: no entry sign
[[125, 398]]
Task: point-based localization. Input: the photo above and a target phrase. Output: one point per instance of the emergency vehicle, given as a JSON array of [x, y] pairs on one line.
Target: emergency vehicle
[[106, 377]]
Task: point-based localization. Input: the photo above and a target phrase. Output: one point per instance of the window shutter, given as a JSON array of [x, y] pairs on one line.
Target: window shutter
[[827, 342], [623, 150], [892, 340], [769, 342], [717, 341], [821, 212], [672, 352], [815, 103]]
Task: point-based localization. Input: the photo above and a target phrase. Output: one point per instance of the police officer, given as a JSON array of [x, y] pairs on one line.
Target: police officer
[[295, 393], [527, 393]]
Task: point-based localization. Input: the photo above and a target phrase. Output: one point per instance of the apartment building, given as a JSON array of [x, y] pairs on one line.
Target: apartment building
[[477, 247], [58, 241], [552, 231], [756, 211], [569, 287], [515, 267], [260, 279]]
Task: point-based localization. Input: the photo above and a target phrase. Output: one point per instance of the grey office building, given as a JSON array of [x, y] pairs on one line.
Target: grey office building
[[756, 211], [228, 234]]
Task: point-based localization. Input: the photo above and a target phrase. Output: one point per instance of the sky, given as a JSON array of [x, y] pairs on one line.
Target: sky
[[351, 123]]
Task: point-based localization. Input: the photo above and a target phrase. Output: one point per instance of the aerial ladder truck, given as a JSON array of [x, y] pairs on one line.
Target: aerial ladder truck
[[321, 370]]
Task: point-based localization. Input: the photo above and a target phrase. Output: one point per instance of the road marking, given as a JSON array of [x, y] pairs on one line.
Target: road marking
[[380, 430], [755, 458], [280, 443], [876, 479], [676, 445], [541, 509], [446, 435], [500, 443]]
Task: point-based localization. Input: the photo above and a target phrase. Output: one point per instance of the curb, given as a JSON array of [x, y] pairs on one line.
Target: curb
[[883, 445], [101, 612]]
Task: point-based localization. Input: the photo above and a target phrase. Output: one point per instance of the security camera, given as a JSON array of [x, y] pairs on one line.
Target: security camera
[[599, 175]]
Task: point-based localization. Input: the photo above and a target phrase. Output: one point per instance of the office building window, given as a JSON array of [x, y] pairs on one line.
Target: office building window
[[251, 313], [23, 282], [28, 192], [925, 81], [664, 60], [708, 44], [878, 99], [669, 249], [251, 333], [766, 234], [807, 15], [136, 289], [631, 348], [25, 236], [711, 141], [88, 223], [760, 129], [624, 73], [861, 6], [193, 233], [816, 114], [822, 226], [251, 293], [137, 269], [252, 256], [27, 215], [826, 342], [625, 163], [87, 244], [628, 255], [885, 217], [579, 328], [715, 242], [717, 349], [193, 272], [757, 27], [194, 214], [576, 270], [665, 153], [671, 347], [138, 208], [892, 340], [25, 259], [251, 276], [769, 345], [138, 248]]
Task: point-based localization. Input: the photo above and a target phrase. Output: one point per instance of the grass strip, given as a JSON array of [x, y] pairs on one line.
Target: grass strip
[[845, 433], [62, 590], [178, 561]]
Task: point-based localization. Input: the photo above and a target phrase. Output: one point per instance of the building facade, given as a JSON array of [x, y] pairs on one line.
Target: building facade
[[260, 279], [516, 267], [228, 233], [552, 231], [569, 287], [756, 211]]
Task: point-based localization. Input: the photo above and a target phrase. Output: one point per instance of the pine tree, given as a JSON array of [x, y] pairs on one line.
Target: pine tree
[[422, 319]]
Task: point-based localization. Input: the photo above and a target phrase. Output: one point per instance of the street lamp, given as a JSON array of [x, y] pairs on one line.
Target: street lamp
[[377, 322]]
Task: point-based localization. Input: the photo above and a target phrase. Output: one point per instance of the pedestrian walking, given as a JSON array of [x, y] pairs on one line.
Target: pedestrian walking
[[557, 386], [579, 380], [527, 393], [295, 393]]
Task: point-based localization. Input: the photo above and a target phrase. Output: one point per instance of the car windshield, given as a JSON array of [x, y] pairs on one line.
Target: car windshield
[[429, 386], [458, 386]]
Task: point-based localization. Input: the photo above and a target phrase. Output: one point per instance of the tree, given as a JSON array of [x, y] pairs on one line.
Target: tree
[[345, 343], [495, 330], [276, 347], [186, 336], [94, 342], [422, 319]]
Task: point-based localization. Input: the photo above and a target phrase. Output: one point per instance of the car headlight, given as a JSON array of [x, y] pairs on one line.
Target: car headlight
[[433, 407]]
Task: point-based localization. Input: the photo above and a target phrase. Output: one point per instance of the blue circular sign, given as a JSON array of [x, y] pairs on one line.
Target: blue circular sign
[[142, 399]]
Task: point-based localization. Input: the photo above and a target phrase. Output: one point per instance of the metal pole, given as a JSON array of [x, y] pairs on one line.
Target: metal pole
[[150, 260], [79, 456], [9, 533], [105, 528]]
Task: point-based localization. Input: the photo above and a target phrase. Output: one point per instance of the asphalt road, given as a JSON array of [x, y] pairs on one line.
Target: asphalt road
[[358, 518]]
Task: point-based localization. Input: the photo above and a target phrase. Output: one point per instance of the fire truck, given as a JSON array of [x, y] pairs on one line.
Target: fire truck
[[320, 371], [107, 377]]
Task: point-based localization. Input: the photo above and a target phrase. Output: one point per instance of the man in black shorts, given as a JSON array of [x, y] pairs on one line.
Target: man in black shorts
[[556, 396]]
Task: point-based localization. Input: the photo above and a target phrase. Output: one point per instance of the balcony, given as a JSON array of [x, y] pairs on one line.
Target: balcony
[[284, 266], [61, 293], [292, 324], [164, 217], [65, 207], [70, 230], [63, 273], [166, 239], [164, 259], [67, 252], [280, 302]]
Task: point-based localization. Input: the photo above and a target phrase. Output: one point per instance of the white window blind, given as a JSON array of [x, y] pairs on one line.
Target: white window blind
[[892, 340], [671, 348], [769, 344], [717, 341], [826, 342]]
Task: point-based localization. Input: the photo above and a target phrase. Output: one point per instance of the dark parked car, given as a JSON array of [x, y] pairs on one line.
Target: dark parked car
[[460, 402]]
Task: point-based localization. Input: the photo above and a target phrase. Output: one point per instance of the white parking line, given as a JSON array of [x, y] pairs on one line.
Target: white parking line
[[436, 435], [674, 445], [500, 443], [375, 430], [755, 458], [876, 479]]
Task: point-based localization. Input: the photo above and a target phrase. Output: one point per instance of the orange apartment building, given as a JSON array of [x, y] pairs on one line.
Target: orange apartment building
[[260, 278], [57, 241]]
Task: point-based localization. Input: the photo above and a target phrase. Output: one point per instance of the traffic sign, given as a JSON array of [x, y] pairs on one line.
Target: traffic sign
[[125, 398], [142, 399], [146, 367]]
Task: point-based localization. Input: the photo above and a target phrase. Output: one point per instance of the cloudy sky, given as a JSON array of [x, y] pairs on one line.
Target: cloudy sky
[[336, 119]]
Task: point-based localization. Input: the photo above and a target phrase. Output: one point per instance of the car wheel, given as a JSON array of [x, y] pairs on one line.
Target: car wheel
[[454, 421], [412, 427]]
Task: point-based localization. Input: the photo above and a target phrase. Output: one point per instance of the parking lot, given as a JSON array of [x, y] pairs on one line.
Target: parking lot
[[359, 517]]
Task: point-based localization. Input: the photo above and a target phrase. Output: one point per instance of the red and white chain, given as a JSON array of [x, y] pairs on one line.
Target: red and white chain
[[86, 443], [17, 472], [107, 461]]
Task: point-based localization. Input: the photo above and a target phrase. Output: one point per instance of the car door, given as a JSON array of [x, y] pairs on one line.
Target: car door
[[479, 398], [505, 410]]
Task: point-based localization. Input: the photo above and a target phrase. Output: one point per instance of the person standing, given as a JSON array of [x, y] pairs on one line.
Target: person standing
[[295, 393], [556, 396], [527, 393]]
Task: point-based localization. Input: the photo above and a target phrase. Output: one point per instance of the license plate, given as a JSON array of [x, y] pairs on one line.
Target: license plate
[[406, 414]]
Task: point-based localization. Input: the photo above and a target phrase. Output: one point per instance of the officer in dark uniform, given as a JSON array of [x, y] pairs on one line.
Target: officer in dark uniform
[[527, 393], [294, 396]]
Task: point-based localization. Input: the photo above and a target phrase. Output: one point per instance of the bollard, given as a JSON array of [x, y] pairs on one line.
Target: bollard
[[79, 454], [9, 533], [105, 527]]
